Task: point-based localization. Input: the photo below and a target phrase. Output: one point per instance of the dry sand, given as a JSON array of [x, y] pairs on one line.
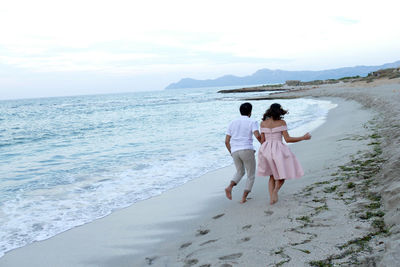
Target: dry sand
[[343, 211]]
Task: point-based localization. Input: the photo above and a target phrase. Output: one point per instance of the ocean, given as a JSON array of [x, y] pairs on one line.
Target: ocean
[[66, 161]]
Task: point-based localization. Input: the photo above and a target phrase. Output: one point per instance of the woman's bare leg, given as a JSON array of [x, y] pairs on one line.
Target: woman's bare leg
[[271, 187], [278, 185]]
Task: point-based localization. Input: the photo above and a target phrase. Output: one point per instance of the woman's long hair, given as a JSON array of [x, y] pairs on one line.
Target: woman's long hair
[[275, 111]]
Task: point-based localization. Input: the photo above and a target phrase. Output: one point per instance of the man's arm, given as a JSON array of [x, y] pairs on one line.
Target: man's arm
[[228, 143], [257, 135], [256, 132]]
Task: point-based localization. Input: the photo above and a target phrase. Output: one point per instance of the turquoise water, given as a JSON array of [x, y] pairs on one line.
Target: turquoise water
[[67, 161]]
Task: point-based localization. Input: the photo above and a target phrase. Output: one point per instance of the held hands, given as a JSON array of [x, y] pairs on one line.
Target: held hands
[[307, 136]]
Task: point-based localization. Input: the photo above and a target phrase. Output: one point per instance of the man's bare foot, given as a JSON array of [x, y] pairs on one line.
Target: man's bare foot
[[244, 200], [228, 193]]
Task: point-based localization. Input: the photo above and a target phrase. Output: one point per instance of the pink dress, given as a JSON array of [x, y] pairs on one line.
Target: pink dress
[[275, 157]]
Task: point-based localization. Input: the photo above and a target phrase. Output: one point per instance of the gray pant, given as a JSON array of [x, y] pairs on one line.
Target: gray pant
[[244, 159]]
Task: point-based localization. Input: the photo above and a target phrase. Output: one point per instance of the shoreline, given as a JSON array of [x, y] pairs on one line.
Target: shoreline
[[153, 229], [192, 225]]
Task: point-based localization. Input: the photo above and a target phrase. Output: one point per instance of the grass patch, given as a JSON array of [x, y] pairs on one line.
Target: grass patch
[[322, 263], [377, 151], [368, 215], [367, 162], [309, 188], [304, 250], [319, 200], [301, 243], [374, 143], [324, 182], [375, 136], [330, 189], [280, 251], [354, 138], [374, 196], [380, 225], [373, 205], [321, 208], [359, 242], [304, 219], [346, 168], [351, 185], [282, 262]]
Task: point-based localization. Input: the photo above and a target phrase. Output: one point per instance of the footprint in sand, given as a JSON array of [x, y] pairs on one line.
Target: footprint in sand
[[245, 239], [190, 262], [149, 260], [231, 256], [205, 265], [202, 232], [246, 227], [218, 216], [268, 212], [185, 245], [226, 265]]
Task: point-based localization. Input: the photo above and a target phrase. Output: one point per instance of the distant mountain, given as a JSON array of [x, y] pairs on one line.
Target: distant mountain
[[267, 76]]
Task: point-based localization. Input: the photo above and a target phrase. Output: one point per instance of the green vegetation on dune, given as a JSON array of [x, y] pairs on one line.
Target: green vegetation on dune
[[351, 182]]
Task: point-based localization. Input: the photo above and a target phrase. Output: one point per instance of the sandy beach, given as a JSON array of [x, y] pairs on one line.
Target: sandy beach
[[344, 211]]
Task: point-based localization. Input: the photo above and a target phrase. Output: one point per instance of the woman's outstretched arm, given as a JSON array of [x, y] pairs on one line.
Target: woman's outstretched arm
[[290, 139]]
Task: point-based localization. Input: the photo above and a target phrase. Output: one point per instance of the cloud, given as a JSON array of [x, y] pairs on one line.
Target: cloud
[[195, 38]]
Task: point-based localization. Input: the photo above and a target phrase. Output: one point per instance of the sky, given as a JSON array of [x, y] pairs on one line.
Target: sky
[[69, 47]]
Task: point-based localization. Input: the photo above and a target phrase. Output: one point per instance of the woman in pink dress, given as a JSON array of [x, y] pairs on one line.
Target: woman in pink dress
[[274, 157]]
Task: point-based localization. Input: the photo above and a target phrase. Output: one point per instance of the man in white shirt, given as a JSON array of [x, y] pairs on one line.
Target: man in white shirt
[[239, 142]]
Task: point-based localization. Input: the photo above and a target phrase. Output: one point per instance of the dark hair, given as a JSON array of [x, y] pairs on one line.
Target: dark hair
[[275, 111], [245, 109]]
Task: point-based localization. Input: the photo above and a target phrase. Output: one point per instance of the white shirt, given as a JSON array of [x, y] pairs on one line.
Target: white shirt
[[241, 131]]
